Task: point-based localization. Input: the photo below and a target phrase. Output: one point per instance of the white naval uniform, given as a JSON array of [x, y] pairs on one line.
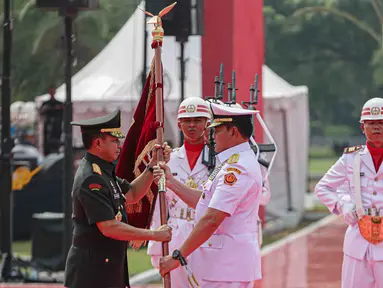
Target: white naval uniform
[[181, 217], [363, 261], [231, 257]]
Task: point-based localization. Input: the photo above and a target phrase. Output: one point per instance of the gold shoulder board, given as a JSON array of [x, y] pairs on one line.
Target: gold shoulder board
[[352, 149], [233, 159], [96, 169]]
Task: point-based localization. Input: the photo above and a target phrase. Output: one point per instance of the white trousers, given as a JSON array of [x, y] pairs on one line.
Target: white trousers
[[178, 277], [211, 284], [365, 273]]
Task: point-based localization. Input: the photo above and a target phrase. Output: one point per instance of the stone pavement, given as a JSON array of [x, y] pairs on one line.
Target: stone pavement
[[310, 258]]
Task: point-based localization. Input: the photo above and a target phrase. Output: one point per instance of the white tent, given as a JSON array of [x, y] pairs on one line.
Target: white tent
[[112, 79], [286, 114]]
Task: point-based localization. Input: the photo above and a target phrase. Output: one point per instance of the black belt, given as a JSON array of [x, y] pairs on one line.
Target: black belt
[[88, 241]]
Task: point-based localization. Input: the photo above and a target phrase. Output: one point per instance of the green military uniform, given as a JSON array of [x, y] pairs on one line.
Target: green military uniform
[[94, 260]]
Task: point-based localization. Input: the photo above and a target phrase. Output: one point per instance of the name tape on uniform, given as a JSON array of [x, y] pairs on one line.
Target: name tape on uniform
[[234, 170]]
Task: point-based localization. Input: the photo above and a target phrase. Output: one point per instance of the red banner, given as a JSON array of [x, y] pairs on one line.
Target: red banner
[[135, 153]]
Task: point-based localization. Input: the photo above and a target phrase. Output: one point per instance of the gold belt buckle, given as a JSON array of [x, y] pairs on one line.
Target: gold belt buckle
[[376, 220]]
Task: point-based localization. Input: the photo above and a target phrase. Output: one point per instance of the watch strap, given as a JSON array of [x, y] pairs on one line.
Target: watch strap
[[150, 168]]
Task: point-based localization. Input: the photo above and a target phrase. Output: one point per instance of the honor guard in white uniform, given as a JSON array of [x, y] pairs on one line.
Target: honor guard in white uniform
[[187, 167], [223, 248], [359, 171]]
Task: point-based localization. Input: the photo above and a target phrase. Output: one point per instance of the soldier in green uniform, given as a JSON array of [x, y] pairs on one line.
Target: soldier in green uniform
[[97, 257]]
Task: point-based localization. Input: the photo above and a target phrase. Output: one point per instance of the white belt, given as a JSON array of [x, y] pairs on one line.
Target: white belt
[[373, 211], [182, 213]]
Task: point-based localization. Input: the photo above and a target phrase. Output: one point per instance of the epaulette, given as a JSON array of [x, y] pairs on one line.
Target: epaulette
[[96, 169], [233, 159], [352, 149]]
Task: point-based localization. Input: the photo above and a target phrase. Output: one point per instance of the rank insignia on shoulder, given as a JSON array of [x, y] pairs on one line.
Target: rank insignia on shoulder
[[95, 187], [352, 149], [96, 169], [234, 170], [233, 159], [230, 179]]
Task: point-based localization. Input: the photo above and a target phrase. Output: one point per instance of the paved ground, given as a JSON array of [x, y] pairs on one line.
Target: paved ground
[[310, 259]]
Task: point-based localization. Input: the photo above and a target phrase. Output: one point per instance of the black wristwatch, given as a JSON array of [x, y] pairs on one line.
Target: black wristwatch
[[178, 256], [150, 168]]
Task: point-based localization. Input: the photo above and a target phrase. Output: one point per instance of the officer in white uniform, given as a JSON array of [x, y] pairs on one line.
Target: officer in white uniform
[[224, 240], [266, 195], [360, 170], [193, 118]]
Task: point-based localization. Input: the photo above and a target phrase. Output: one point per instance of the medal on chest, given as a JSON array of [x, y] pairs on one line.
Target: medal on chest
[[173, 203], [191, 183], [118, 216]]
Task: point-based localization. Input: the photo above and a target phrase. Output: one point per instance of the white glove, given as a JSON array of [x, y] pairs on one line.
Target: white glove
[[260, 234], [348, 210], [265, 196]]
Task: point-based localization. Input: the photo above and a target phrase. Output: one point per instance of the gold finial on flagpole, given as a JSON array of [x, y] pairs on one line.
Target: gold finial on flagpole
[[158, 31]]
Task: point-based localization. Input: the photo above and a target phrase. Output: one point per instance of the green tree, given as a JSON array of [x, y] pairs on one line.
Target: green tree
[[328, 54], [38, 54], [375, 34]]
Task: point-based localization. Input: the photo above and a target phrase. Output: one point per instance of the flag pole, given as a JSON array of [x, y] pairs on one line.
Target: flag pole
[[158, 34]]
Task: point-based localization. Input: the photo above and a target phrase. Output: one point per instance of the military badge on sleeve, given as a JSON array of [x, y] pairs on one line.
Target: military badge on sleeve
[[230, 179], [95, 187], [234, 170]]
